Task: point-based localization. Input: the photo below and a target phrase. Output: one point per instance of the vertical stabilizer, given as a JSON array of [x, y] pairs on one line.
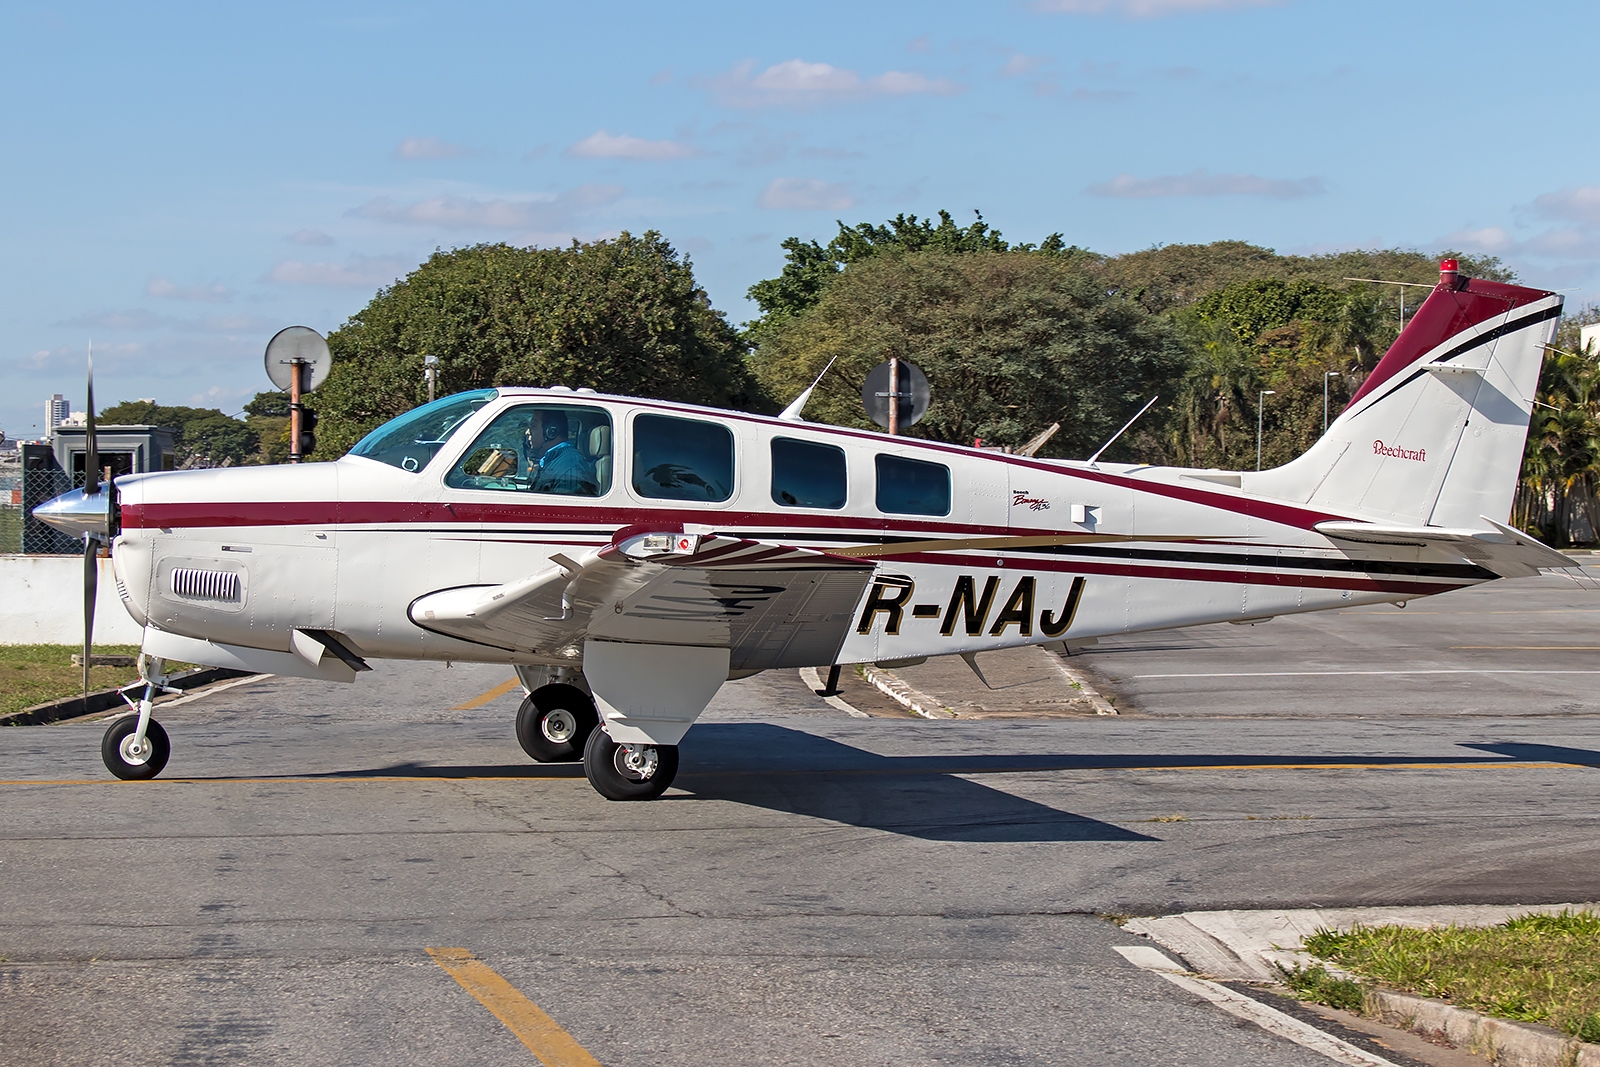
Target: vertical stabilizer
[[1435, 434]]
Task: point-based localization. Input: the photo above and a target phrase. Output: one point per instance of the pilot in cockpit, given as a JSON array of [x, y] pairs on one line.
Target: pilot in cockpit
[[555, 462]]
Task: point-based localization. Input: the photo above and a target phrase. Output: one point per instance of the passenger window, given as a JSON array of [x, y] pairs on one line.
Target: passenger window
[[540, 448], [912, 487], [682, 459], [807, 475]]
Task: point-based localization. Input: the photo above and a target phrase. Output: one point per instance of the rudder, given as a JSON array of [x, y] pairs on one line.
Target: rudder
[[1435, 434]]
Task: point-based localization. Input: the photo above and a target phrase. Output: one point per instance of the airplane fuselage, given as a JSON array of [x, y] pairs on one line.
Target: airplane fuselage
[[1010, 551]]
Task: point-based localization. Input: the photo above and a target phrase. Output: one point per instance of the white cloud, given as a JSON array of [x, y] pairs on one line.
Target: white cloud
[[132, 319], [309, 237], [1491, 239], [1201, 183], [1576, 204], [228, 324], [603, 145], [550, 212], [1019, 64], [806, 194], [360, 272], [1144, 9], [429, 148], [71, 360], [215, 293], [797, 83]]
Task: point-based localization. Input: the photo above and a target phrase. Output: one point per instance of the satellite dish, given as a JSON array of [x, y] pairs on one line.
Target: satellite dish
[[914, 394], [298, 345]]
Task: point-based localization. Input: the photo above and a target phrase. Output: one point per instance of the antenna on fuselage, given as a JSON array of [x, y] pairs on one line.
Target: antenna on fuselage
[[1122, 431], [792, 412]]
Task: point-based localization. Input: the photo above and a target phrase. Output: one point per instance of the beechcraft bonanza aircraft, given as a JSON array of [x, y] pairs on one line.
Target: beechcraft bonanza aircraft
[[627, 556]]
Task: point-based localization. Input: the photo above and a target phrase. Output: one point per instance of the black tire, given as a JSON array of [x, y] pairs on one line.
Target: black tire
[[554, 723], [118, 763], [606, 764]]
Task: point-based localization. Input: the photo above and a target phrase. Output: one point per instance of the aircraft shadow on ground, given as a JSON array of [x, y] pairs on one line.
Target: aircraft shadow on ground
[[798, 773], [1530, 753], [929, 797]]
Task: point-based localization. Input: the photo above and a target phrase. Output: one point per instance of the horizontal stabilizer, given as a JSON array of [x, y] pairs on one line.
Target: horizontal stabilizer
[[1504, 550]]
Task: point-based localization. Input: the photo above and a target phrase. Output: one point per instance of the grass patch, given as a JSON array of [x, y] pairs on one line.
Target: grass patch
[[1534, 968], [10, 529], [1315, 984], [33, 674]]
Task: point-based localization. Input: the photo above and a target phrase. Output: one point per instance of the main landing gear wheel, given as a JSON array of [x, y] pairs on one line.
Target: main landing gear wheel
[[628, 772], [554, 722], [131, 762]]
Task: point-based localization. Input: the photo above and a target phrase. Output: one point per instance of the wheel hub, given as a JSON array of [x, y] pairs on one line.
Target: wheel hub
[[559, 726], [134, 751], [638, 762]]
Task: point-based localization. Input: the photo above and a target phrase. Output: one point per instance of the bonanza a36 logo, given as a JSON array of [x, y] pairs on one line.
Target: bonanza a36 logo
[[1419, 455]]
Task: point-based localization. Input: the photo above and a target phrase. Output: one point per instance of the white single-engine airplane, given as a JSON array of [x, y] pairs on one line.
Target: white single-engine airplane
[[627, 556]]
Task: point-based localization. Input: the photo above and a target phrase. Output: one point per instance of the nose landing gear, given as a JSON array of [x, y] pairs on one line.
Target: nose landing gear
[[135, 747]]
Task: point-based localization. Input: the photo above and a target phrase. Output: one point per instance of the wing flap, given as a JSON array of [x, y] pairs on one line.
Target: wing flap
[[770, 605]]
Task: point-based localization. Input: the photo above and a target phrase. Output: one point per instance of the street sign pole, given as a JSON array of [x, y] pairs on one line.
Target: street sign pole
[[296, 367], [894, 395]]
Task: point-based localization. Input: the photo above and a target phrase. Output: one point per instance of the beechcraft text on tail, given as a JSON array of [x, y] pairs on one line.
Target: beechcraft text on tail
[[627, 556]]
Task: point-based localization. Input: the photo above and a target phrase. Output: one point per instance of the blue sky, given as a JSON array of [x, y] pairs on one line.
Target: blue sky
[[184, 179]]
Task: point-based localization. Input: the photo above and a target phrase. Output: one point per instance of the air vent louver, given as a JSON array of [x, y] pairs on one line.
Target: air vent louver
[[205, 585]]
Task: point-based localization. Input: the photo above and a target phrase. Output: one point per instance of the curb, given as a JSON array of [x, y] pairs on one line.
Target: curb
[[1080, 681], [1244, 946], [106, 699], [1501, 1041], [915, 699]]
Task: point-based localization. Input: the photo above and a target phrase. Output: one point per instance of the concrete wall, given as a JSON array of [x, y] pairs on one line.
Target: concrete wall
[[41, 603]]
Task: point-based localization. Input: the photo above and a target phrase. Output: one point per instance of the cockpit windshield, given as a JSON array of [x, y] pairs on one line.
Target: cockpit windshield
[[413, 439]]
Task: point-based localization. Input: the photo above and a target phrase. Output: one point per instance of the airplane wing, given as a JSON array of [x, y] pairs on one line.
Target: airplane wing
[[770, 605], [1504, 550]]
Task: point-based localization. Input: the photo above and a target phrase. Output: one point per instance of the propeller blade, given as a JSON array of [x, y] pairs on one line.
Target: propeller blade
[[91, 586], [91, 449]]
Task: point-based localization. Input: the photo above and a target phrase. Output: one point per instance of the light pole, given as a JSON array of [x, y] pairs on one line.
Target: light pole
[[431, 369], [1260, 402], [1325, 376]]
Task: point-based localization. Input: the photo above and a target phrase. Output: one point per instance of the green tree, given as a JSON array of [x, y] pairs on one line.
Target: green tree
[[809, 266], [1556, 498], [1011, 342], [622, 316], [202, 437], [267, 415]]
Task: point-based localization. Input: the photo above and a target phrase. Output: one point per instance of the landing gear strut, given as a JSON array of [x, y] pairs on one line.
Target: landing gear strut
[[628, 772], [554, 722], [135, 747]]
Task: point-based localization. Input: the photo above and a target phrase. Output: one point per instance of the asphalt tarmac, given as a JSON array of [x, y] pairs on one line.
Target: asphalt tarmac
[[817, 889]]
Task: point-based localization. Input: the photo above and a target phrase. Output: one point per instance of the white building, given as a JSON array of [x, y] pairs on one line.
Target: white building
[[56, 412]]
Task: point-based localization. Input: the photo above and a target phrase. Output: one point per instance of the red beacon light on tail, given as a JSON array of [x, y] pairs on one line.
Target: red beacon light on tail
[[1449, 273]]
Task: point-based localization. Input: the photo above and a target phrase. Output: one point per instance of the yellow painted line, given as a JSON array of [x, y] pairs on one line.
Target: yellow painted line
[[542, 1034], [494, 694]]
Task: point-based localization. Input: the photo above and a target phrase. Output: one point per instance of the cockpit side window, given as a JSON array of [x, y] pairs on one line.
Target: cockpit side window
[[912, 486], [540, 448], [807, 474], [412, 440], [682, 459]]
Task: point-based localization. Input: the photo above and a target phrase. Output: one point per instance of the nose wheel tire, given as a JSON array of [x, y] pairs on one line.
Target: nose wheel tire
[[132, 762], [628, 772], [554, 723]]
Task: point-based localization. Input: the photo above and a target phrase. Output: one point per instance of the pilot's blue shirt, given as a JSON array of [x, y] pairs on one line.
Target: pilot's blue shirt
[[565, 469]]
